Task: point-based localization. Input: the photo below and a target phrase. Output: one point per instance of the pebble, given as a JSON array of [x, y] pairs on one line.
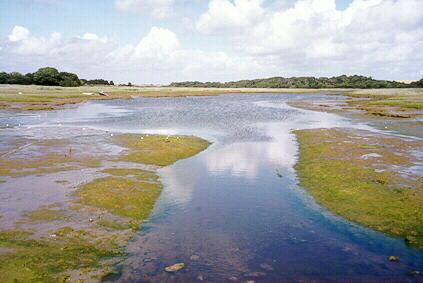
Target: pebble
[[414, 273], [175, 267], [393, 258], [200, 277], [194, 257], [233, 278]]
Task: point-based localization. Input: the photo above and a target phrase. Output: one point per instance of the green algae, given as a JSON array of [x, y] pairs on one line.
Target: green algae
[[332, 171], [114, 224], [45, 260], [159, 150], [45, 214], [45, 164], [120, 196], [139, 173]]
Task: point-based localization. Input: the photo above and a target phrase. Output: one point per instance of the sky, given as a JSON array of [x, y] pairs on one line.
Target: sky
[[160, 41]]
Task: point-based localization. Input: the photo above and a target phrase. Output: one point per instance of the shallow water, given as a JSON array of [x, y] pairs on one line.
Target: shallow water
[[237, 205]]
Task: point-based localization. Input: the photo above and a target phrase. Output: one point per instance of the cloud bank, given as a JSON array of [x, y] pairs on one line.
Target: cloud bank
[[382, 38]]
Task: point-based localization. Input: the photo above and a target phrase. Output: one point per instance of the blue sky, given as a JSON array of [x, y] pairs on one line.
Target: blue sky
[[164, 40]]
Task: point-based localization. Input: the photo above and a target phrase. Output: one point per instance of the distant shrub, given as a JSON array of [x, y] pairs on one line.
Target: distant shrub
[[300, 82]]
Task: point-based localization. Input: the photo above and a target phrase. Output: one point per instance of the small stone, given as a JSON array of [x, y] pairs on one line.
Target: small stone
[[175, 267], [194, 257], [200, 277], [233, 278], [414, 273], [393, 258], [147, 260], [266, 267], [249, 281], [91, 220]]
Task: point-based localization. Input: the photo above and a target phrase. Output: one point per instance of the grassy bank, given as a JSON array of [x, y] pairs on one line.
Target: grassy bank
[[85, 236], [396, 103], [385, 103], [364, 178]]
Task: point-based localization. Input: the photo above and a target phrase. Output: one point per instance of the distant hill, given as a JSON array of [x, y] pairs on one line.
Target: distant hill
[[301, 82]]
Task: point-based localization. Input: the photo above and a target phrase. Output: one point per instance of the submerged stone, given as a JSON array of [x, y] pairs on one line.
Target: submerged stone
[[194, 257], [393, 258], [175, 267]]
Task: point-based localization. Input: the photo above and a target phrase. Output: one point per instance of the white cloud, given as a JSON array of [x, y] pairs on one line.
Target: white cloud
[[223, 14], [19, 33], [157, 58], [158, 8], [22, 42], [158, 42], [312, 37], [249, 39]]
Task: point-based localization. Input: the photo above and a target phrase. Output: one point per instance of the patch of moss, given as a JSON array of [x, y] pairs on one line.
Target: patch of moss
[[120, 196], [114, 224], [45, 260], [160, 150], [45, 214], [47, 163], [139, 173], [338, 179]]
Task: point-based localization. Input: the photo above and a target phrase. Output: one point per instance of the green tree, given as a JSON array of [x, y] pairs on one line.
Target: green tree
[[418, 83], [47, 76], [18, 79], [4, 78], [68, 79]]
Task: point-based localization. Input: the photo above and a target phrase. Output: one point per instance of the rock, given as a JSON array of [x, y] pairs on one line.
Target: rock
[[393, 258], [233, 278], [194, 257], [249, 281], [147, 260], [175, 268], [200, 277], [266, 267]]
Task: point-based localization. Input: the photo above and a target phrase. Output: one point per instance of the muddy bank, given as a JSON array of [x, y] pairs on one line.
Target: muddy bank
[[70, 205]]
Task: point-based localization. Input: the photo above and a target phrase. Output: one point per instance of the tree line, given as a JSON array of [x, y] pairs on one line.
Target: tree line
[[303, 82], [49, 76]]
